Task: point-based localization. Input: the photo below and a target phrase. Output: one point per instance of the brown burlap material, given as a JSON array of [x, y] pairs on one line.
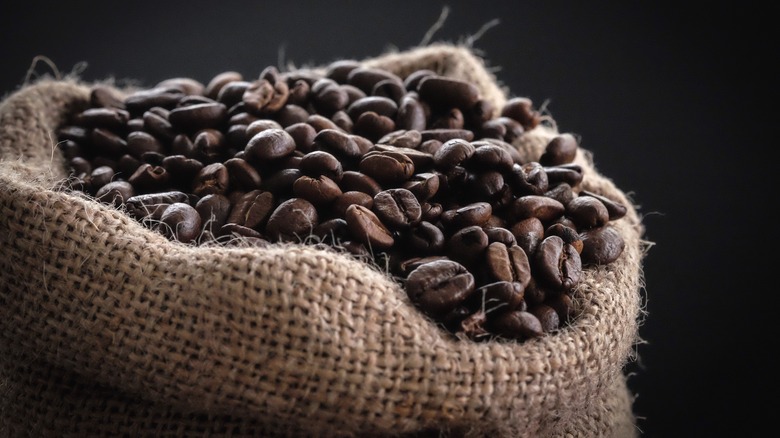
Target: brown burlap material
[[107, 328]]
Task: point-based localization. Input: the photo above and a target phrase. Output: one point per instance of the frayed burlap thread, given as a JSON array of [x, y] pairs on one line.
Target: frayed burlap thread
[[107, 328]]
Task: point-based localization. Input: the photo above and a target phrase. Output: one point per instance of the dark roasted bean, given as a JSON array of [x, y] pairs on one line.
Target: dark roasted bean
[[153, 205], [252, 209], [343, 201], [507, 263], [616, 210], [448, 92], [269, 145], [517, 324], [601, 246], [180, 222], [387, 167], [397, 208], [440, 286], [367, 228], [115, 192], [562, 149], [319, 190], [558, 264], [292, 220], [213, 210], [587, 212]]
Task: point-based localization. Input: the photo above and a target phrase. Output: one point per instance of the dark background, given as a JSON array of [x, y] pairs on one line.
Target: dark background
[[675, 104]]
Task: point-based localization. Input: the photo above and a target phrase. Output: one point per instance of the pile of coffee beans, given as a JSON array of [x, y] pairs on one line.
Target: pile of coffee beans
[[416, 174]]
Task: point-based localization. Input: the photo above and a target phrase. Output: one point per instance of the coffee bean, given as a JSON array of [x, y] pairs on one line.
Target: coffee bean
[[517, 324], [568, 234], [452, 153], [426, 238], [140, 101], [522, 109], [444, 135], [319, 190], [508, 263], [423, 185], [115, 193], [303, 134], [108, 118], [497, 233], [387, 167], [337, 143], [101, 176], [615, 209], [212, 179], [356, 181], [216, 83], [440, 286], [339, 206], [153, 205], [101, 96], [448, 92], [108, 143], [318, 163], [339, 70], [562, 149], [181, 222], [558, 264], [528, 233], [149, 178], [292, 220], [468, 244], [213, 210], [587, 212], [565, 173], [373, 126], [365, 78], [397, 208], [547, 317], [541, 207], [601, 246], [505, 295], [366, 227], [270, 144], [252, 209], [411, 115]]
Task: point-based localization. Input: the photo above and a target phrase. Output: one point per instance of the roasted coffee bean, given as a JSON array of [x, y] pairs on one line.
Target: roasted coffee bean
[[468, 244], [113, 119], [476, 214], [108, 143], [528, 179], [499, 234], [373, 126], [291, 114], [261, 125], [337, 143], [140, 101], [528, 233], [281, 182], [115, 193], [366, 227], [505, 263], [448, 92], [149, 178], [616, 210], [101, 96], [101, 176], [522, 109], [562, 149], [356, 181], [452, 153], [568, 234], [390, 88], [343, 201], [402, 138], [397, 208], [426, 238], [212, 179], [303, 134], [339, 70], [541, 207], [565, 173], [343, 121], [587, 212], [270, 144], [153, 205], [562, 193], [327, 96], [558, 264], [292, 220], [140, 142], [440, 286], [547, 317], [318, 163], [505, 295], [516, 324], [431, 212], [410, 115], [208, 145], [213, 210], [331, 231], [473, 326], [387, 168], [444, 135], [320, 122], [252, 209], [188, 86], [319, 190], [242, 175], [486, 185], [216, 83], [180, 221], [423, 185], [452, 119], [422, 161], [564, 307], [489, 156], [601, 246], [366, 78]]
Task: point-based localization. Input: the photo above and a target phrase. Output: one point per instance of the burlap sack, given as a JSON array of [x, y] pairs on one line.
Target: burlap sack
[[108, 329]]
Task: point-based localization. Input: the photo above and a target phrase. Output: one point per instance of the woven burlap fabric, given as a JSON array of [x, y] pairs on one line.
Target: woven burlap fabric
[[108, 328]]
